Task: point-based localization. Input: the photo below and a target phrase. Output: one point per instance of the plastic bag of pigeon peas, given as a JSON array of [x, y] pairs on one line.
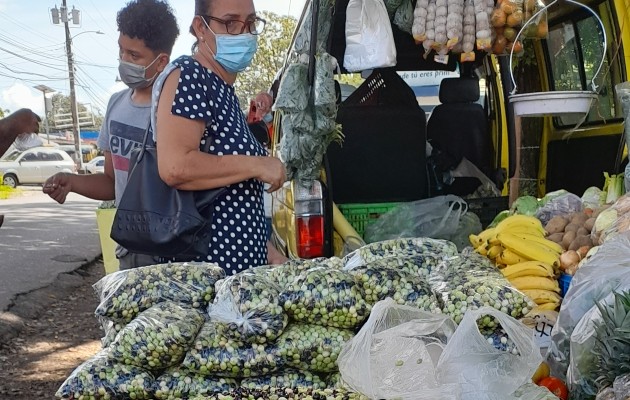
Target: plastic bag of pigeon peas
[[125, 294], [158, 338], [247, 307], [101, 378]]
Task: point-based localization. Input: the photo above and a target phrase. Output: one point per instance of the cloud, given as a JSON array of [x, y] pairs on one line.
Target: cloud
[[22, 96]]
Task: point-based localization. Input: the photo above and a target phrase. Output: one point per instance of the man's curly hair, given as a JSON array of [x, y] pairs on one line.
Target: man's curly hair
[[152, 21]]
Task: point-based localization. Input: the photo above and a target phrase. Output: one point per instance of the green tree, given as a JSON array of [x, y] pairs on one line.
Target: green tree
[[272, 48]]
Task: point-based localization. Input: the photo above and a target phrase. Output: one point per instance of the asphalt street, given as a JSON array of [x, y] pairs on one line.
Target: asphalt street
[[41, 239]]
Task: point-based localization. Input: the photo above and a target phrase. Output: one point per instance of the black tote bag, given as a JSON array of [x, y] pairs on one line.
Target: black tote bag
[[156, 219]]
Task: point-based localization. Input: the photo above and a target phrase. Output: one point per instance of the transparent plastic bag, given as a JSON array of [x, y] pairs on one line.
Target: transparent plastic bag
[[293, 90], [213, 354], [247, 307], [284, 274], [382, 281], [606, 271], [369, 36], [437, 218], [469, 282], [125, 294], [326, 297], [403, 17], [535, 28], [158, 338], [432, 250], [592, 198], [287, 379], [100, 378], [531, 391], [564, 204], [395, 353], [469, 224], [622, 387], [612, 221], [27, 141], [312, 348], [179, 383], [482, 371]]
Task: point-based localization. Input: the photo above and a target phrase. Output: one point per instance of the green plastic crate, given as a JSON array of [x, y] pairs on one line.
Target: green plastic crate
[[360, 215]]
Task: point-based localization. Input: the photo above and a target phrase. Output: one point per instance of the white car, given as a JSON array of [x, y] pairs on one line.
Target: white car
[[34, 166], [95, 166]]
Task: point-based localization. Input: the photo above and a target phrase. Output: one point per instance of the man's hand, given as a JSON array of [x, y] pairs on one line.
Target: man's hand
[[23, 121], [58, 186]]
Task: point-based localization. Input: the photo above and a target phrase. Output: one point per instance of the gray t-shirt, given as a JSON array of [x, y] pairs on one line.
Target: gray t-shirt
[[122, 131]]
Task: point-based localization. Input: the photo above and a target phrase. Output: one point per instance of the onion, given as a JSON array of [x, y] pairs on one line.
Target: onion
[[569, 259]]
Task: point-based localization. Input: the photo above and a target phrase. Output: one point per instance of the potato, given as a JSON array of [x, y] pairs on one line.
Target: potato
[[580, 241], [590, 223], [579, 219], [571, 227], [582, 231], [568, 238], [556, 237], [556, 224]]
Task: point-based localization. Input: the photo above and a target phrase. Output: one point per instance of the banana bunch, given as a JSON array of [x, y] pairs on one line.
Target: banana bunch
[[516, 239], [529, 261]]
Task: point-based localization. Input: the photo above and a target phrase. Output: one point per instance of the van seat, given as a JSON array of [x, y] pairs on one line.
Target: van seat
[[458, 128]]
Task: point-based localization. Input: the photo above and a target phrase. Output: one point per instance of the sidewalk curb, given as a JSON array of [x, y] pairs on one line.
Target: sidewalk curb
[[31, 305]]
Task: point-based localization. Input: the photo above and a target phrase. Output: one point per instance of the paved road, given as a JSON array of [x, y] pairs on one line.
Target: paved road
[[41, 239]]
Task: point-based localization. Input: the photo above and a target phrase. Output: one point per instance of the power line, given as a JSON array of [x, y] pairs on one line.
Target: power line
[[31, 73], [41, 63], [24, 26]]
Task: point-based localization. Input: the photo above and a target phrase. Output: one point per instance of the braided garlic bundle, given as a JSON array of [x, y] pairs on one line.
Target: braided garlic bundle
[[468, 40], [419, 27], [430, 32], [482, 22], [455, 22]]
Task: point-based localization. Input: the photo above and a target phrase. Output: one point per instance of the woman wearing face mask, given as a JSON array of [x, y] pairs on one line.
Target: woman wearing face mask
[[196, 103]]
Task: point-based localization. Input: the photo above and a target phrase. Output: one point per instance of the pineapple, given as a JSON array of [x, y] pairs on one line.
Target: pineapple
[[612, 349]]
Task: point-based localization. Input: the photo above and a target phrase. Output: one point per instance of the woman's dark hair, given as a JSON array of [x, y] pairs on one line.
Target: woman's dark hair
[[152, 21], [201, 8]]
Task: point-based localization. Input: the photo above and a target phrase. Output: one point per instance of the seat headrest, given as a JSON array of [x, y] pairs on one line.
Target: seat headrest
[[459, 90]]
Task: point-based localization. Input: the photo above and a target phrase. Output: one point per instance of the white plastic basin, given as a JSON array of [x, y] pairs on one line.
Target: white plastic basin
[[552, 103]]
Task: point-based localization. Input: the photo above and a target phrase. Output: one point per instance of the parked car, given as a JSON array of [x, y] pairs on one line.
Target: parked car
[[34, 166], [95, 166]]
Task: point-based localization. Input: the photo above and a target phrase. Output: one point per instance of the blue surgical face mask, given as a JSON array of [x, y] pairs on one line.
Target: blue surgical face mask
[[268, 118], [234, 52]]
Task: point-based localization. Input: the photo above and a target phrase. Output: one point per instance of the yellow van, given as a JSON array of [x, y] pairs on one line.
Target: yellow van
[[408, 129]]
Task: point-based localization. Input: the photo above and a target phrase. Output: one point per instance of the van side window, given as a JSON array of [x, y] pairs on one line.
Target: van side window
[[575, 51]]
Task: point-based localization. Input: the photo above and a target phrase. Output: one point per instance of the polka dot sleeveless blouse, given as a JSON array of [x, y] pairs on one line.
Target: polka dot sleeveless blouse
[[238, 225]]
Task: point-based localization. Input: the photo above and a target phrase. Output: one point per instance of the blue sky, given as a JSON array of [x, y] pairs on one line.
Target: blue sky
[[32, 49]]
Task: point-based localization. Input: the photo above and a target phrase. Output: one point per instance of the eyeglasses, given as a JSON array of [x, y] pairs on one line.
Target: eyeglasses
[[236, 27]]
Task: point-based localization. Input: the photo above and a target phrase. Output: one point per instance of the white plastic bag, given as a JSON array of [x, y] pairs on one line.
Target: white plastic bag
[[369, 37], [27, 141], [395, 353], [482, 371]]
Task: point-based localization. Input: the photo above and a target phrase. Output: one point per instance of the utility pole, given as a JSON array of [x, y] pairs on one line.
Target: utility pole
[[58, 15]]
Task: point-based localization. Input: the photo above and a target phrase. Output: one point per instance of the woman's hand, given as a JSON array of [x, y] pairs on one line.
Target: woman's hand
[[272, 172]]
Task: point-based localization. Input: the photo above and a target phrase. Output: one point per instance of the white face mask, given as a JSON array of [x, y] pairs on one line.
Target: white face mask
[[133, 75]]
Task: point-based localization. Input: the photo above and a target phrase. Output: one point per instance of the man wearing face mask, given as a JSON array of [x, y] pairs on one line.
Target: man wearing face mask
[[196, 104], [148, 30]]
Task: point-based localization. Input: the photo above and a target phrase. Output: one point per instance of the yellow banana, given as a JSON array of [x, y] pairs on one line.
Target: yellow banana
[[535, 282], [553, 246], [509, 257], [528, 268], [529, 249], [483, 250], [542, 296], [494, 251], [525, 221], [487, 234], [475, 241], [546, 307]]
